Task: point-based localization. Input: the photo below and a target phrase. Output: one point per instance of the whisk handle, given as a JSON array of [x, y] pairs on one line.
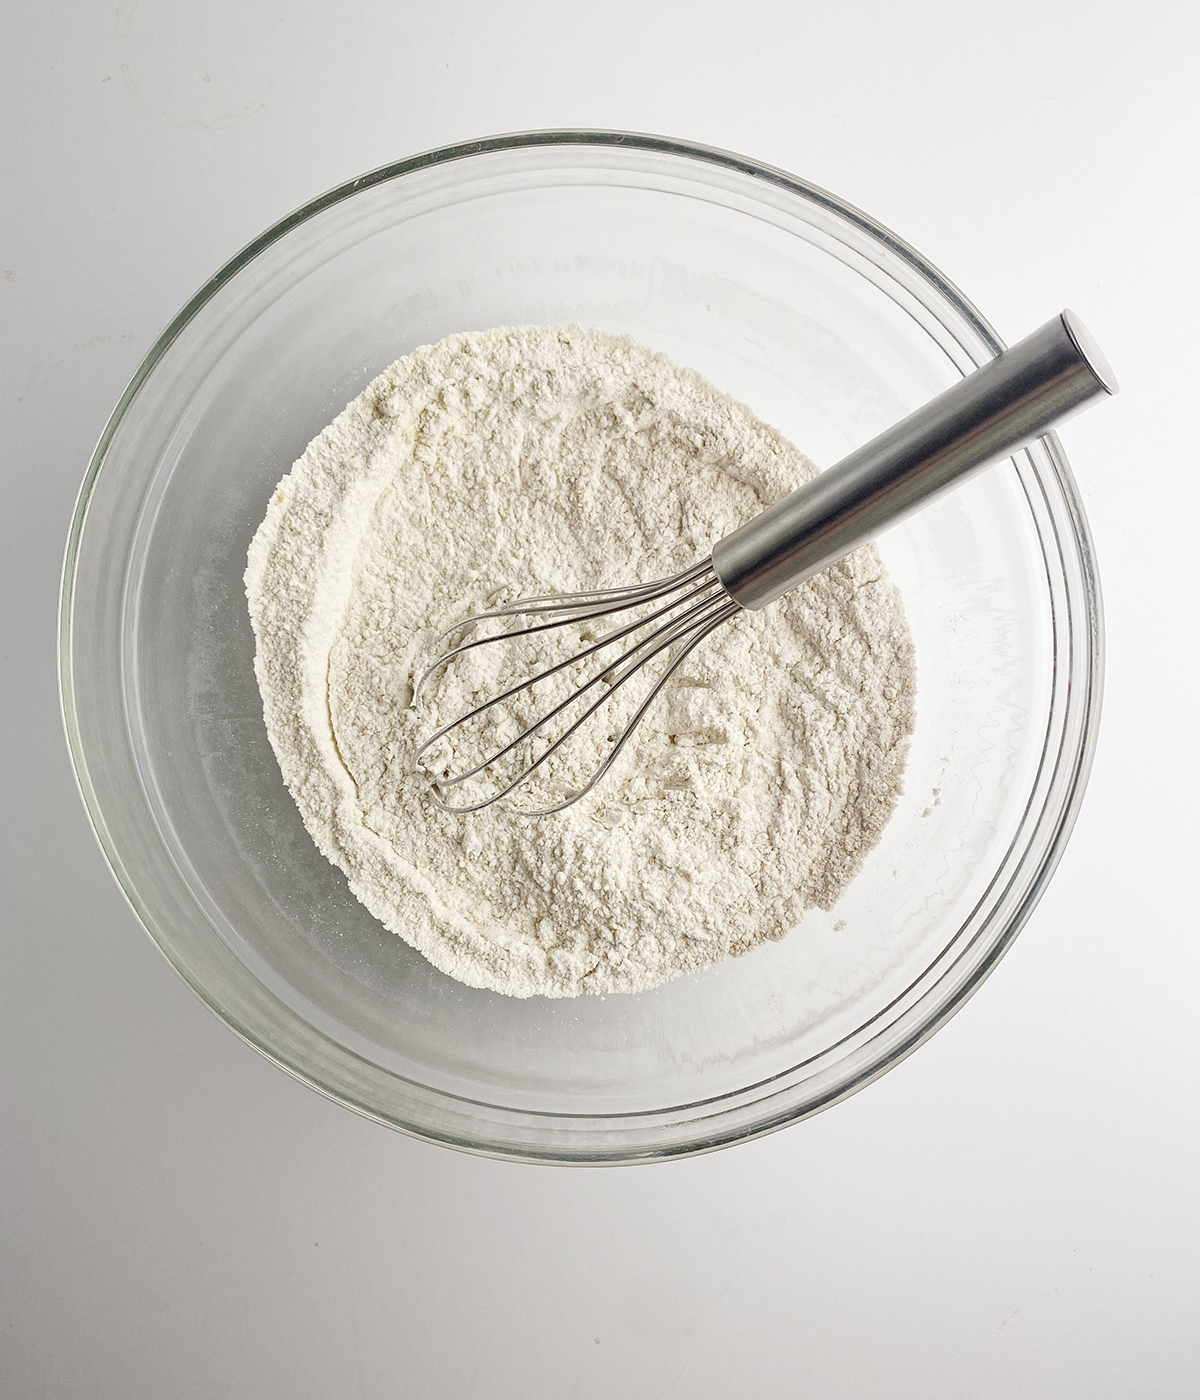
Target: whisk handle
[[998, 408]]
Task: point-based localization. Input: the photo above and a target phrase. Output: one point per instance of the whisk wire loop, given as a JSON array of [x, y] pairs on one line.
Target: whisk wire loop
[[705, 606], [526, 609], [674, 628], [630, 660], [628, 595]]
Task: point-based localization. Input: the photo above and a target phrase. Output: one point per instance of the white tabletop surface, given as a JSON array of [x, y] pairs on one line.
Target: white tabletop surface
[[1010, 1213]]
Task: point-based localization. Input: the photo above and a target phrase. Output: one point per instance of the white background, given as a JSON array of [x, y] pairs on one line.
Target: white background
[[1013, 1211]]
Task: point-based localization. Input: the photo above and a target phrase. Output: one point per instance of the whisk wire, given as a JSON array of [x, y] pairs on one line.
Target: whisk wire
[[664, 636], [714, 618], [705, 605], [627, 595], [607, 640], [626, 734], [532, 607]]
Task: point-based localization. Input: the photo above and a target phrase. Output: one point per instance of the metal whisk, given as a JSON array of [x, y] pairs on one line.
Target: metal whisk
[[1015, 398]]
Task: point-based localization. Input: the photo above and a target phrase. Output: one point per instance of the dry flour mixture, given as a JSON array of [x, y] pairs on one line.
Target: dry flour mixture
[[514, 462]]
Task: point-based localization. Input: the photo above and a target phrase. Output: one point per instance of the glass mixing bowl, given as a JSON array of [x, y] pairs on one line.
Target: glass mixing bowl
[[830, 328]]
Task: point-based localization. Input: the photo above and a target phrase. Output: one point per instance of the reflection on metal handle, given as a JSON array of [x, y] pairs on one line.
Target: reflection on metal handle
[[1021, 394]]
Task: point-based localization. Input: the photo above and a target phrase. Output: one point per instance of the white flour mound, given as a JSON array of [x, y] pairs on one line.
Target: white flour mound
[[497, 465]]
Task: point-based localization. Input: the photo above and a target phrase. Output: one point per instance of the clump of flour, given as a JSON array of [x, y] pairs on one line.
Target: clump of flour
[[506, 463]]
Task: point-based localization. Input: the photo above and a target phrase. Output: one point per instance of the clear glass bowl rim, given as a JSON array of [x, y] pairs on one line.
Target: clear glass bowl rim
[[1089, 625]]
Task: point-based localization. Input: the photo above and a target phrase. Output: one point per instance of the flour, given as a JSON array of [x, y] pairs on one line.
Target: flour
[[513, 462]]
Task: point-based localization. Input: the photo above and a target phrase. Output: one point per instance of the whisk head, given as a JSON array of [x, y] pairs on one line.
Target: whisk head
[[664, 621]]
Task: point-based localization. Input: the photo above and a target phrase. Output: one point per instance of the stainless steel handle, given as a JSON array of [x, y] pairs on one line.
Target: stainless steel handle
[[1041, 380]]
